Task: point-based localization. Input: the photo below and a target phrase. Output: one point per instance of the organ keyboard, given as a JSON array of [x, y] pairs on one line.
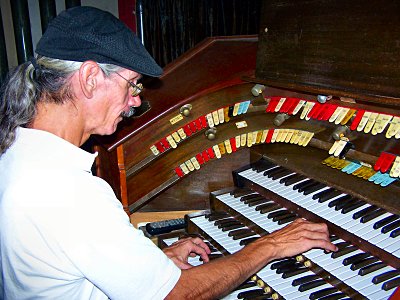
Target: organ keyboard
[[366, 266]]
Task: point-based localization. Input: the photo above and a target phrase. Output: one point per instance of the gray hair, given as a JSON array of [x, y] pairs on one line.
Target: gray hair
[[28, 85]]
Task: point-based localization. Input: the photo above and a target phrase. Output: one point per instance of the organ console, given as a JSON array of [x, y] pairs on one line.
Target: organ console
[[254, 131]]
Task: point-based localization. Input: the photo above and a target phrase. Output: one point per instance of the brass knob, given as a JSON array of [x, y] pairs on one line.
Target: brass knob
[[257, 89], [185, 110], [211, 133]]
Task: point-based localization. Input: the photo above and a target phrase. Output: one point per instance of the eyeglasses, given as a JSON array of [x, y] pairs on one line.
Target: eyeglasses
[[136, 88]]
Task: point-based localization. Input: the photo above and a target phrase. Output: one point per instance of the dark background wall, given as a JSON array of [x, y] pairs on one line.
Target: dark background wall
[[171, 27], [167, 28]]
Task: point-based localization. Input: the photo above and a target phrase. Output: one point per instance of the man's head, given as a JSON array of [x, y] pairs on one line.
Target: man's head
[[87, 63]]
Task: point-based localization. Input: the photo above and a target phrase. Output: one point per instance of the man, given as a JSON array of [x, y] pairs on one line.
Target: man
[[63, 233]]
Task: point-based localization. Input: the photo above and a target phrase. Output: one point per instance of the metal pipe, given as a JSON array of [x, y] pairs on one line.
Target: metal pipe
[[139, 20], [3, 52], [72, 3], [47, 12], [22, 30]]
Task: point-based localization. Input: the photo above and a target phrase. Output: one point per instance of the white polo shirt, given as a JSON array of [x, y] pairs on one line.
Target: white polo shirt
[[63, 233]]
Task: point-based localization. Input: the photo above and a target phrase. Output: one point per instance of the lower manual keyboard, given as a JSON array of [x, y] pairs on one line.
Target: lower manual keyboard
[[363, 284]]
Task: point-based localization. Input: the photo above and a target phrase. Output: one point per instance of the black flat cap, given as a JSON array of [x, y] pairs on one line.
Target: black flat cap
[[86, 33]]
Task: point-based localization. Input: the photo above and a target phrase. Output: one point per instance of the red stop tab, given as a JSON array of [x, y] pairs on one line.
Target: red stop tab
[[203, 120], [272, 104], [160, 147], [179, 172], [210, 153], [233, 144], [165, 143], [269, 136], [205, 156], [357, 119], [187, 130], [200, 159]]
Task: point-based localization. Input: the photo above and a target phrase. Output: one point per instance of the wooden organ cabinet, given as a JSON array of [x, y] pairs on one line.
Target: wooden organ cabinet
[[302, 120]]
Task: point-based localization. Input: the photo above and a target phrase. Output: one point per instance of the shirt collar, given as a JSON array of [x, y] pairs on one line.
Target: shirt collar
[[49, 148]]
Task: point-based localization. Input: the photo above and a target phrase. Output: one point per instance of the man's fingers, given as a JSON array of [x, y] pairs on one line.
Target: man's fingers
[[201, 252], [198, 241]]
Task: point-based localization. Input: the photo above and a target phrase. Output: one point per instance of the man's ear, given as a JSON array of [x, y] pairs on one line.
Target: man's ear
[[88, 73]]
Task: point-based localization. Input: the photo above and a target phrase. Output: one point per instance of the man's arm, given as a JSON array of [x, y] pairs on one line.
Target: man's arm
[[218, 277]]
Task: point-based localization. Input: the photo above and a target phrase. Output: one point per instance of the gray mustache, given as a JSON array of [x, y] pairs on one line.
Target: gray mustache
[[128, 114]]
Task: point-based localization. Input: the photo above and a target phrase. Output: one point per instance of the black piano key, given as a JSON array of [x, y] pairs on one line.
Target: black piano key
[[277, 213], [385, 276], [311, 184], [255, 199], [239, 236], [288, 219], [248, 241], [314, 188], [265, 205], [241, 192], [284, 217], [371, 268], [305, 279], [239, 232], [231, 227], [246, 285], [322, 193], [258, 202], [262, 297], [350, 201], [281, 174], [326, 195], [373, 215], [355, 258], [335, 296], [343, 251], [333, 238], [299, 186], [391, 226], [283, 263], [386, 221], [341, 199], [311, 285], [365, 262], [288, 268], [272, 170], [322, 293], [292, 179], [269, 173], [364, 212], [350, 207], [250, 293], [298, 271], [225, 221], [388, 285], [250, 196], [395, 233], [274, 207]]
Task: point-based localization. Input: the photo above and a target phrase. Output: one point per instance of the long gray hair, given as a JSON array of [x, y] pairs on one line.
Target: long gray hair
[[41, 79]]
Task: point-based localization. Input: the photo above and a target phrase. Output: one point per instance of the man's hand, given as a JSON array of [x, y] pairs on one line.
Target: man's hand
[[299, 237], [179, 251]]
